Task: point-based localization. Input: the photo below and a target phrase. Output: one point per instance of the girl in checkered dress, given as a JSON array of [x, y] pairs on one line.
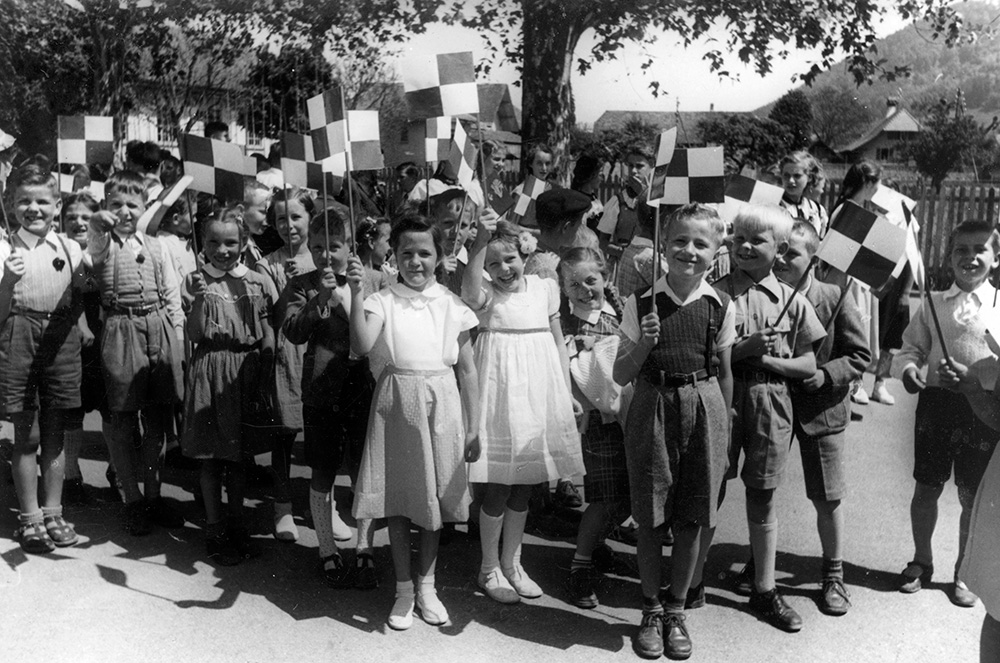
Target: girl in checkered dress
[[590, 319]]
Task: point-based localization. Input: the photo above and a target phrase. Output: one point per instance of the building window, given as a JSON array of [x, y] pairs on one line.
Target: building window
[[885, 154]]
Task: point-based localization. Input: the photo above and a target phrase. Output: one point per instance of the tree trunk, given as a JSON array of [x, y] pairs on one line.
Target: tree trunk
[[551, 33]]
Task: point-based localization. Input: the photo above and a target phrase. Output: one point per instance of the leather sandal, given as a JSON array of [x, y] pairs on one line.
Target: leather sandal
[[61, 532], [34, 539]]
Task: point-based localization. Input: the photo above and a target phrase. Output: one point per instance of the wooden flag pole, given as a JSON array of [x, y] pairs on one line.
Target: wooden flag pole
[[937, 324], [194, 230], [3, 208], [656, 257], [326, 215], [458, 226], [482, 159], [350, 200], [795, 291]]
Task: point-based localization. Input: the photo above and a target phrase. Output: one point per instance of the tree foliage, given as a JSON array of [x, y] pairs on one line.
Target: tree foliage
[[839, 116], [948, 137], [748, 141], [793, 112]]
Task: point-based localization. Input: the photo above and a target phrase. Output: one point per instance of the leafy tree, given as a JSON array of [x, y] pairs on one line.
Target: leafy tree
[[838, 115], [948, 137], [749, 141], [635, 132], [541, 38], [794, 112]]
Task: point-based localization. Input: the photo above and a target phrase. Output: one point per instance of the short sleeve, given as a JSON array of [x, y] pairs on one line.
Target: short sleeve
[[466, 318], [553, 292], [375, 305], [726, 336], [629, 327]]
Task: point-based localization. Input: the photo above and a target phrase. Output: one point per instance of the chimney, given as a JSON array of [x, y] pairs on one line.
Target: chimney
[[711, 108], [891, 105]]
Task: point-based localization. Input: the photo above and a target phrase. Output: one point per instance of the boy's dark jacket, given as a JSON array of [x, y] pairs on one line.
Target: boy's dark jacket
[[842, 354]]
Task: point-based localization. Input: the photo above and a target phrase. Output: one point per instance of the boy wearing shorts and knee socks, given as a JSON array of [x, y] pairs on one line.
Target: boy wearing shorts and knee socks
[[768, 354], [141, 347], [40, 343], [947, 431], [821, 405]]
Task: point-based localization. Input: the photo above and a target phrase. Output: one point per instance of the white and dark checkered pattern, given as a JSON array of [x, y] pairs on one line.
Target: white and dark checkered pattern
[[437, 143], [694, 175], [665, 144], [525, 203], [462, 157], [328, 123], [442, 84], [742, 191], [215, 166], [299, 164], [86, 139], [364, 140], [863, 244]]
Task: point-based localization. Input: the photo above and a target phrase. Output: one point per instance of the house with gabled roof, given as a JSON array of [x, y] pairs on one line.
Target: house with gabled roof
[[886, 140]]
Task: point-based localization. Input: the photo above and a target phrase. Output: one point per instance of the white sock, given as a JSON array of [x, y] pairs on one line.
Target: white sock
[[513, 533], [321, 506], [490, 528]]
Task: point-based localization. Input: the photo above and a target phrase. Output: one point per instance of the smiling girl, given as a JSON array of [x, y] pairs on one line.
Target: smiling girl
[[526, 427]]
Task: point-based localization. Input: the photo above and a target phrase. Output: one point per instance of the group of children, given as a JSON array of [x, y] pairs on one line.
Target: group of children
[[491, 356]]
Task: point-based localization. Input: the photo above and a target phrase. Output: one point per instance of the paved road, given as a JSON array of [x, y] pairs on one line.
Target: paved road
[[115, 598]]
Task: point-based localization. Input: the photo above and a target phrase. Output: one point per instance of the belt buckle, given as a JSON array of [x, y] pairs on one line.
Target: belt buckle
[[760, 376]]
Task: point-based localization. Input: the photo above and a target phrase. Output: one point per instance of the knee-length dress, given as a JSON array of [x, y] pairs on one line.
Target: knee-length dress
[[224, 381], [413, 463], [527, 430]]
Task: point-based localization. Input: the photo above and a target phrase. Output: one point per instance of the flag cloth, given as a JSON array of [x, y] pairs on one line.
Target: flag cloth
[[96, 189], [863, 244], [86, 139], [694, 175], [524, 205], [912, 255], [665, 144], [890, 202], [215, 165], [437, 143], [155, 212], [328, 123], [442, 84], [299, 164], [364, 140], [462, 157], [742, 190]]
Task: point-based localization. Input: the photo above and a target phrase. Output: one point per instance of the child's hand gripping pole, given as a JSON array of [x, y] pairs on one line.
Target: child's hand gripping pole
[[656, 259], [937, 325], [194, 233]]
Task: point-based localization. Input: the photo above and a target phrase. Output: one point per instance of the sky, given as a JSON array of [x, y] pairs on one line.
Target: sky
[[686, 83]]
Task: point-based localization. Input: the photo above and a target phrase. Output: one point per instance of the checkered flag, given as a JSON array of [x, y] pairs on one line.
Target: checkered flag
[[742, 190], [863, 244], [157, 210], [215, 166], [665, 144], [694, 175], [328, 123], [86, 139], [437, 144], [299, 164], [442, 84], [364, 141], [462, 157], [524, 206]]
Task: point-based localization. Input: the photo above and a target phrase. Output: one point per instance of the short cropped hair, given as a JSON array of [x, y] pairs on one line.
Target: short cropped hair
[[805, 230], [331, 219], [32, 175], [698, 212], [412, 222], [144, 155], [976, 226], [760, 218], [126, 182]]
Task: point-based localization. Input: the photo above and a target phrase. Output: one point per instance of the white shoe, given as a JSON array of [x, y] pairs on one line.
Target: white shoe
[[431, 609], [284, 523], [860, 396], [497, 588], [341, 531], [401, 617], [880, 394], [522, 584]]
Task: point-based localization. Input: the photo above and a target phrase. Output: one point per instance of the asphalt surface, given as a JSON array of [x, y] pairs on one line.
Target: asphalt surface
[[115, 598]]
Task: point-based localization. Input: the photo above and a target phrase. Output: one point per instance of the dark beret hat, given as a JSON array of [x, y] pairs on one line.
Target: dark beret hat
[[560, 203]]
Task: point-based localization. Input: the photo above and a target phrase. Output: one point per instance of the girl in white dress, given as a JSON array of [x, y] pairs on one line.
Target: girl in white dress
[[412, 469], [527, 427]]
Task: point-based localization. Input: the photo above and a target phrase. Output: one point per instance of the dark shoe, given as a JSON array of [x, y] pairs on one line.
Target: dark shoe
[[915, 577], [961, 595], [34, 538], [61, 532], [649, 639], [259, 477], [743, 584], [668, 537], [626, 534], [608, 561], [135, 519], [162, 513], [772, 608], [221, 551], [447, 534], [676, 641], [581, 585], [695, 598], [365, 573], [112, 477], [243, 542], [337, 574], [567, 495], [836, 599], [74, 493]]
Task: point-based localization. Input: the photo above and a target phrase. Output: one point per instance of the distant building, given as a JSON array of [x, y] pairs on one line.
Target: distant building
[[886, 141], [686, 121]]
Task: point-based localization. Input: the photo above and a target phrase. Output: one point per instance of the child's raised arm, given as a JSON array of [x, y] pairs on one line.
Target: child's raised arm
[[365, 328], [472, 281], [468, 378]]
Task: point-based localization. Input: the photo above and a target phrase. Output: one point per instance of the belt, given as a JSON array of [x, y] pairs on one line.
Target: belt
[[664, 379], [63, 312], [142, 309], [757, 375]]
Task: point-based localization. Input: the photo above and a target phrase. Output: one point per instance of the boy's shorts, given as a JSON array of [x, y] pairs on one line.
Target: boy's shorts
[[823, 465], [334, 433], [40, 362], [948, 433], [603, 446], [762, 428], [141, 359]]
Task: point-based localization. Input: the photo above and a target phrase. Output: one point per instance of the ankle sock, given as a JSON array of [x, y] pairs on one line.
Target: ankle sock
[[581, 562], [833, 568], [490, 528], [29, 518], [321, 507], [651, 605]]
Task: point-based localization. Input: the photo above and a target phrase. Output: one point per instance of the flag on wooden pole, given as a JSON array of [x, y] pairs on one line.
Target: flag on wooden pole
[[462, 157], [437, 143], [694, 175], [328, 123], [86, 139], [742, 190], [364, 141], [524, 206], [299, 164], [863, 244], [155, 212], [442, 84], [215, 166], [665, 144]]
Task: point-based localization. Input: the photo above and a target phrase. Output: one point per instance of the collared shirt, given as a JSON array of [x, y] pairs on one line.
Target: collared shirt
[[44, 287], [238, 271], [591, 315], [631, 325]]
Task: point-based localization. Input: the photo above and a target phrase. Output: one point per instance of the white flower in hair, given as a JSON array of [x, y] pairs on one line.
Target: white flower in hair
[[527, 242]]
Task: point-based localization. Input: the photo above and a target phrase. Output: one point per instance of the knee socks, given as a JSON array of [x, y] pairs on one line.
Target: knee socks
[[490, 528], [513, 533], [322, 513], [764, 543]]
